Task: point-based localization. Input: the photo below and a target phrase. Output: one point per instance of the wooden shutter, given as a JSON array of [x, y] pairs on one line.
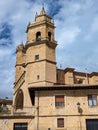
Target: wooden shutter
[[60, 122], [89, 97], [59, 98]]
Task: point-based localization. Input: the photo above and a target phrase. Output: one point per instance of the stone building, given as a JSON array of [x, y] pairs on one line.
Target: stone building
[[47, 98]]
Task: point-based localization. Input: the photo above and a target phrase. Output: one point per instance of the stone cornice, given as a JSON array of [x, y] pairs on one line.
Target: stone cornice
[[51, 44], [34, 25], [52, 62], [63, 87]]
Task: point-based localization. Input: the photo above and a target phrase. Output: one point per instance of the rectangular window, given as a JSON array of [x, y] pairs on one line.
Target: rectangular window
[[92, 100], [60, 122], [36, 57], [59, 101], [20, 126]]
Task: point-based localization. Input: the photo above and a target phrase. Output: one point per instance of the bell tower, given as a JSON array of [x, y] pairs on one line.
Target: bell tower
[[40, 51], [36, 60]]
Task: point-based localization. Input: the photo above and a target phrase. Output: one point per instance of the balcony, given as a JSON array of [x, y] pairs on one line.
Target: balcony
[[25, 111]]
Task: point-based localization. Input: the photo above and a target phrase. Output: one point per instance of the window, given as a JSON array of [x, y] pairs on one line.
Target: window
[[92, 100], [49, 36], [80, 81], [20, 126], [38, 77], [38, 36], [36, 57], [60, 122], [59, 101]]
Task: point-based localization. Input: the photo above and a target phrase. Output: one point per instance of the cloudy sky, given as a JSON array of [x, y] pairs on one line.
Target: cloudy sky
[[76, 33]]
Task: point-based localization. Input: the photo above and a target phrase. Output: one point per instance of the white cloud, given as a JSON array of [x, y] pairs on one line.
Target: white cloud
[[2, 54], [67, 36], [94, 26]]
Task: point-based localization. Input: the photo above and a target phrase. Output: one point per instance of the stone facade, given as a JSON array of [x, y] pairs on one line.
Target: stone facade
[[70, 76], [47, 98]]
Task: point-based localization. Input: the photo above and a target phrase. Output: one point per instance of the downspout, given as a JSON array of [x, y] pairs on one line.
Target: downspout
[[38, 111]]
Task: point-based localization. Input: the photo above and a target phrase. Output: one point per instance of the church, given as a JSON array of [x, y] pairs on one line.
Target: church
[[45, 97]]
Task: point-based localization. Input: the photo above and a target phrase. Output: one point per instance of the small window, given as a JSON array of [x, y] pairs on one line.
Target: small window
[[38, 36], [80, 81], [60, 122], [38, 77], [92, 100], [59, 101], [36, 57], [49, 36], [20, 126]]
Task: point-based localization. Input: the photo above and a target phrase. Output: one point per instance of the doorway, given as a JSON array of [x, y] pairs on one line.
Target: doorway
[[92, 124]]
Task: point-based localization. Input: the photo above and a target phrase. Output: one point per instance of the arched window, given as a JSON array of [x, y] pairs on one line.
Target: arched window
[[49, 36], [19, 100], [38, 36]]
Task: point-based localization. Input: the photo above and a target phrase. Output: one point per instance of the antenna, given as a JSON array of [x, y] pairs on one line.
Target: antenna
[[86, 76], [60, 66]]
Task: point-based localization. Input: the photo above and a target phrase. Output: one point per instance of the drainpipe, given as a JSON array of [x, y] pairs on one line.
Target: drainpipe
[[87, 78], [38, 110]]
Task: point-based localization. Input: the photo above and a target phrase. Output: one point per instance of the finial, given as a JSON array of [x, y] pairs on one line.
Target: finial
[[20, 47], [43, 10], [60, 66], [22, 42], [42, 5], [36, 14]]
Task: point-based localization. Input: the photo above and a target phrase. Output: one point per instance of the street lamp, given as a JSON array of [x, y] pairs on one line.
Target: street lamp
[[79, 108]]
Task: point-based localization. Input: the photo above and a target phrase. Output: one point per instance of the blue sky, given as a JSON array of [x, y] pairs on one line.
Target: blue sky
[[76, 33]]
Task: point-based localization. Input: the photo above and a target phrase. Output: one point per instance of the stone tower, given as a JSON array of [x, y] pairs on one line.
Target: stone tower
[[36, 60], [40, 51]]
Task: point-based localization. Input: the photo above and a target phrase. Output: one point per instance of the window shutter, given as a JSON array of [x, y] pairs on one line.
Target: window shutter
[[90, 97], [59, 98], [60, 122]]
